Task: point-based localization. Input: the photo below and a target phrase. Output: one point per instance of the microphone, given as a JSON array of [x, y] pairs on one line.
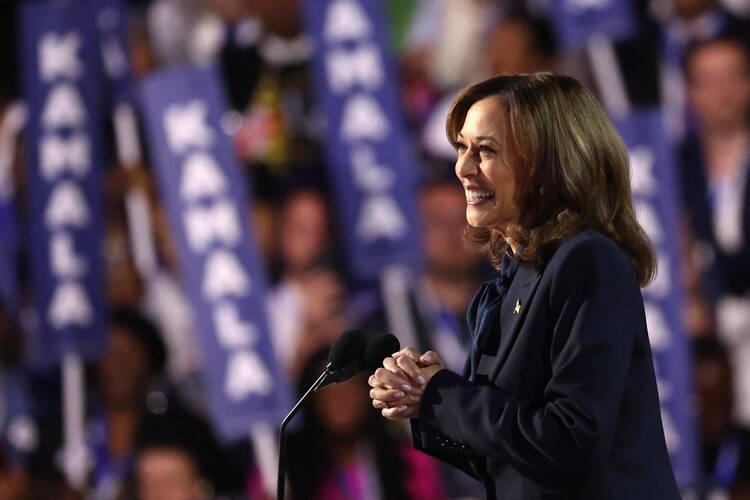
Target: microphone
[[349, 355]]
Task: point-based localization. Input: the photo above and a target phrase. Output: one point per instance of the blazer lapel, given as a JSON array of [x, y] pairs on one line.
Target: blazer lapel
[[515, 305]]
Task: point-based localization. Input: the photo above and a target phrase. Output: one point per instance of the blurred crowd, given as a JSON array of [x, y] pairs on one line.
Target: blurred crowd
[[148, 431]]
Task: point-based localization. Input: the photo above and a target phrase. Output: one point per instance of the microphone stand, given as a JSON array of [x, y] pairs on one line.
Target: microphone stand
[[281, 479]]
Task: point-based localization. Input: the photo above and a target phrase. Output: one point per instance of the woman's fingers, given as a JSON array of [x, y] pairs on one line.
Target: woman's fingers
[[386, 395], [410, 352], [431, 358], [395, 366], [400, 412], [386, 379], [380, 405], [411, 369]]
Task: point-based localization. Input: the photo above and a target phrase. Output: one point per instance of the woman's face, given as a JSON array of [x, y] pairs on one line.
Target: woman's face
[[483, 168]]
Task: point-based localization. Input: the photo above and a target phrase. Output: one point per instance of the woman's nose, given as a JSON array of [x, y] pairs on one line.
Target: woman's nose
[[466, 165]]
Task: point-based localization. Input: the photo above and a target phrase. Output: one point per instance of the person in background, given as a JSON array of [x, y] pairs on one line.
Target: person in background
[[344, 451], [14, 478], [684, 23], [306, 304], [714, 161], [516, 42], [725, 445], [127, 372], [175, 458], [534, 47]]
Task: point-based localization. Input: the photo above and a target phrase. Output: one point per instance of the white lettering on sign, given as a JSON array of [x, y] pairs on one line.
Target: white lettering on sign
[[642, 178], [216, 223], [64, 107], [346, 20], [348, 68], [64, 162], [661, 287], [201, 176], [58, 56], [224, 275], [246, 375], [368, 175], [649, 220], [70, 306], [65, 263], [362, 118], [231, 331], [213, 229], [658, 328], [186, 126], [380, 217], [58, 155], [66, 206]]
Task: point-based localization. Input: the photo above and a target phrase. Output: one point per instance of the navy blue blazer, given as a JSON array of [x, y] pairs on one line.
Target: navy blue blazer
[[571, 409]]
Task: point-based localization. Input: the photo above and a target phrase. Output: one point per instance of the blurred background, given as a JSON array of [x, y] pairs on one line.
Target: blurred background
[[320, 124]]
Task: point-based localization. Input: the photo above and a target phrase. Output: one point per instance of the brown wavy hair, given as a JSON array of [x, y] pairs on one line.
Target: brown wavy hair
[[571, 166]]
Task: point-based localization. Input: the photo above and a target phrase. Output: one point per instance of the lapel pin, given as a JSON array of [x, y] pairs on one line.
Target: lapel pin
[[517, 309]]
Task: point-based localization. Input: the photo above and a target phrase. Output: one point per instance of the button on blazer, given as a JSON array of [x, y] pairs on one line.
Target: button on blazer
[[569, 409]]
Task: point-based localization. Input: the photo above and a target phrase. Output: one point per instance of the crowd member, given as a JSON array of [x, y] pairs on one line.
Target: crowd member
[[306, 304], [344, 451], [14, 479], [685, 22], [177, 458], [725, 445], [127, 372], [451, 273], [714, 160], [165, 301], [533, 50]]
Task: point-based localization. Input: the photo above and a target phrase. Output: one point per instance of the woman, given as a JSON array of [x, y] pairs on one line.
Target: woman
[[558, 398]]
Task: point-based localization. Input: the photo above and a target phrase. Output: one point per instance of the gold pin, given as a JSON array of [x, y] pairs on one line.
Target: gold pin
[[517, 309]]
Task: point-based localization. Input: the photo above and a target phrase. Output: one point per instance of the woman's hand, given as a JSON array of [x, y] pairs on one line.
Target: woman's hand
[[397, 388]]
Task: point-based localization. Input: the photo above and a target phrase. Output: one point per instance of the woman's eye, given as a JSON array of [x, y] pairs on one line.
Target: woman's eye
[[486, 149], [460, 147]]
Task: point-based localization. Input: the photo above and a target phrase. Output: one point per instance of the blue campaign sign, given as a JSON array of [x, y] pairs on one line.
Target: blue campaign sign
[[61, 85], [371, 167], [576, 21], [653, 184], [112, 25], [204, 193], [8, 244]]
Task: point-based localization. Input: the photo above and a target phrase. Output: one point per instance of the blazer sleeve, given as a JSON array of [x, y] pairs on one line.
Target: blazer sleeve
[[596, 308], [443, 449]]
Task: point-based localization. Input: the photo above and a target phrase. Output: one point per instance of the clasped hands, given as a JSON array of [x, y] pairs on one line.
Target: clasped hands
[[397, 387]]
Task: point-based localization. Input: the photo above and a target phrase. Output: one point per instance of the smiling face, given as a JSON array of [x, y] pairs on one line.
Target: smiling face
[[483, 167]]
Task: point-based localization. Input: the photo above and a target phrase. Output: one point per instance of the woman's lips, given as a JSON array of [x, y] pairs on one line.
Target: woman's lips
[[478, 196]]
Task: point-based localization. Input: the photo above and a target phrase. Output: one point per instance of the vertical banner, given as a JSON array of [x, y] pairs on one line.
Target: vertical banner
[[203, 191], [112, 25], [577, 21], [656, 203], [8, 243], [372, 171], [61, 85]]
